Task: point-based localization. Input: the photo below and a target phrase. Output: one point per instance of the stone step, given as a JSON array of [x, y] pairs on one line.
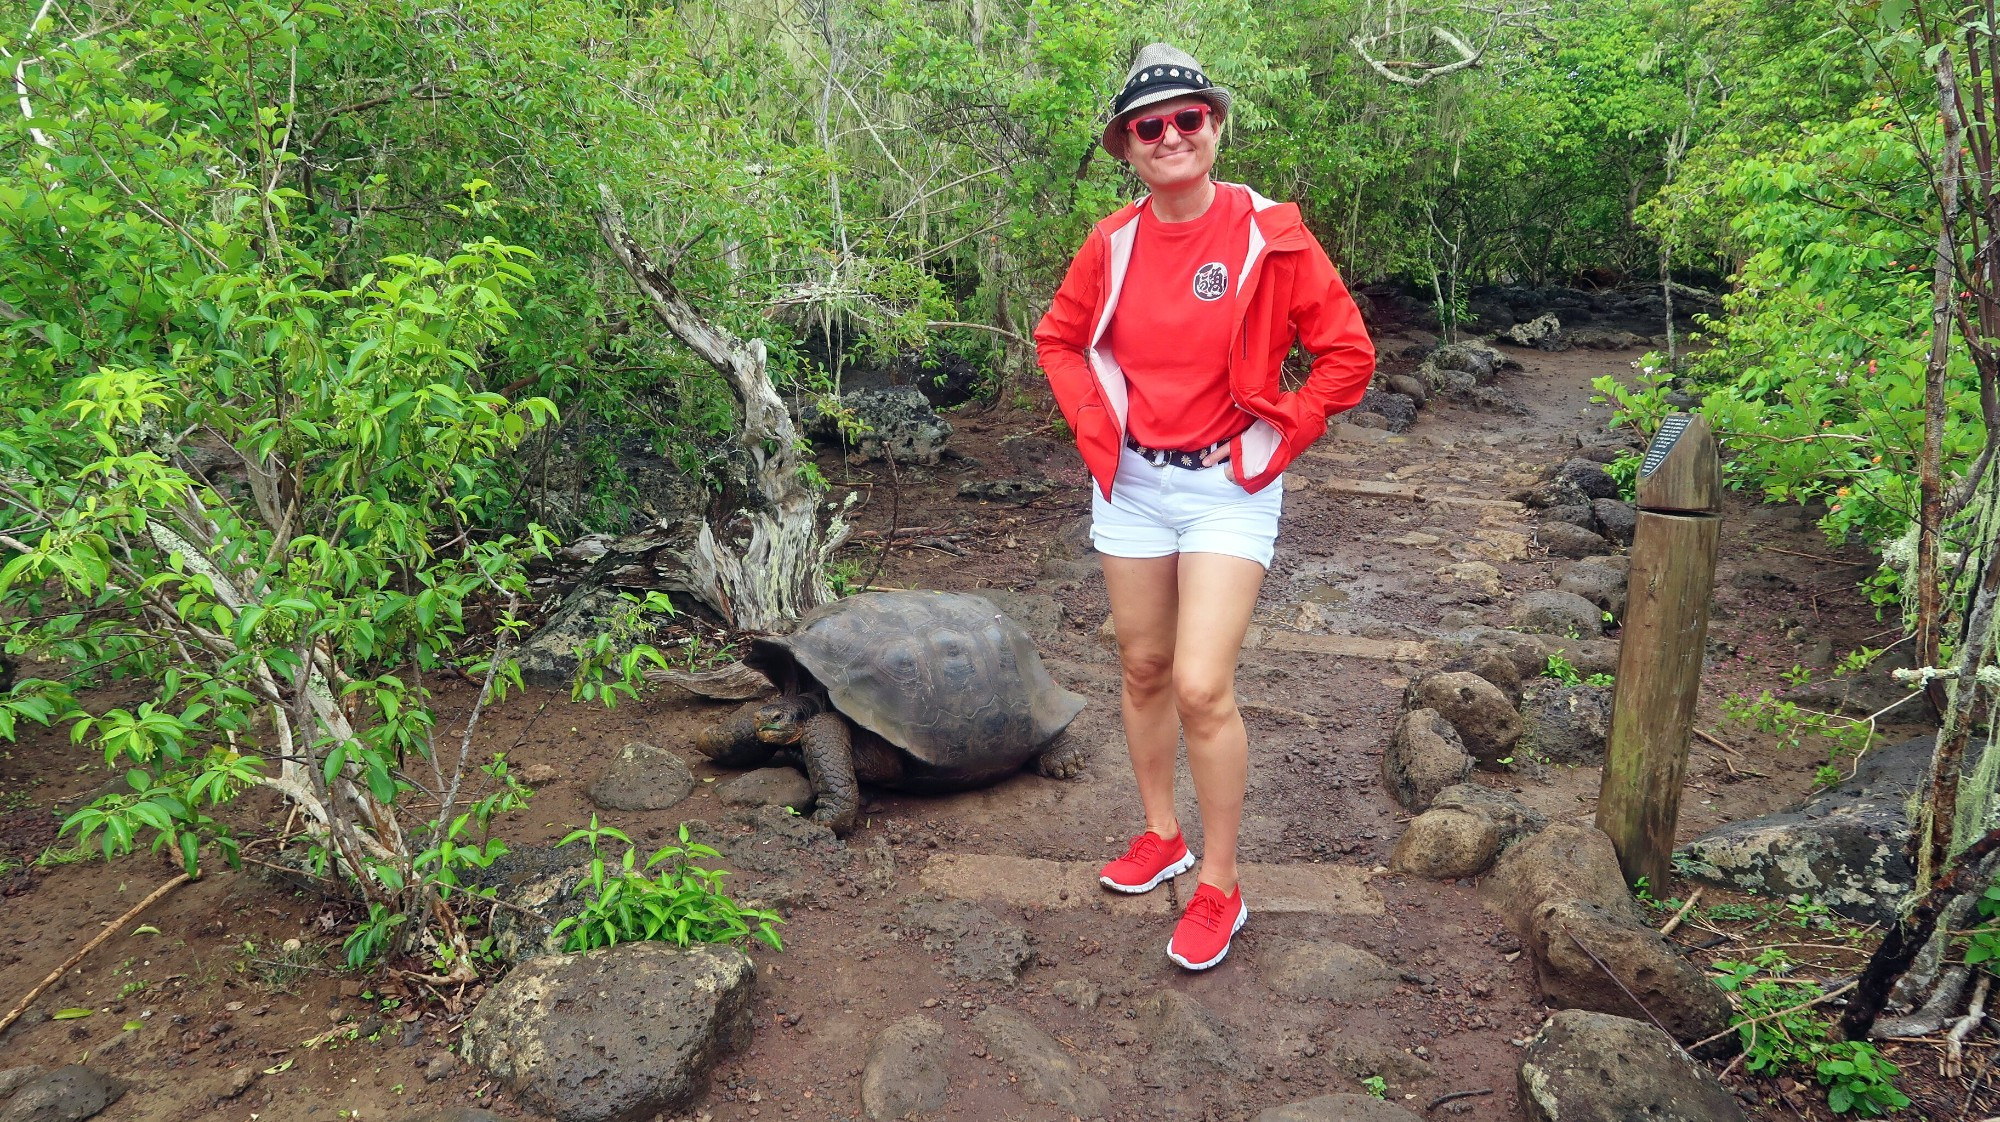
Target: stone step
[[1260, 637], [1414, 492], [1039, 882]]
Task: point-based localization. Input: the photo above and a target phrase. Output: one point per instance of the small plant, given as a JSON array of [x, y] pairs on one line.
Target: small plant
[[1982, 946], [1857, 1078], [1776, 1036], [846, 576], [1601, 681], [1376, 1086], [1797, 675], [1562, 670], [1624, 471], [681, 904], [1793, 724]]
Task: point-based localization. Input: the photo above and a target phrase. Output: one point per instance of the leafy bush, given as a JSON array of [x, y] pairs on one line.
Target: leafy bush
[[681, 904], [1778, 1036]]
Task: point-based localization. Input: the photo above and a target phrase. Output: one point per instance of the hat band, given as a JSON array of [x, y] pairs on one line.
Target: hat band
[[1158, 78]]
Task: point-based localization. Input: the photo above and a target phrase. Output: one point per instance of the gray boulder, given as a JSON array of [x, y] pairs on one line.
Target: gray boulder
[[550, 656], [1330, 971], [1336, 1108], [1447, 383], [1190, 1045], [1424, 757], [1588, 956], [12, 1078], [767, 786], [1004, 490], [1559, 613], [1844, 846], [1566, 724], [1492, 665], [1416, 389], [1594, 580], [1482, 716], [1462, 833], [1562, 862], [978, 946], [1590, 1067], [1473, 357], [1544, 332], [1566, 539], [1616, 520], [1528, 653], [905, 1073], [895, 421], [1048, 1073], [67, 1094], [1398, 410], [1576, 514], [1574, 482], [613, 1035], [1588, 656], [642, 777]]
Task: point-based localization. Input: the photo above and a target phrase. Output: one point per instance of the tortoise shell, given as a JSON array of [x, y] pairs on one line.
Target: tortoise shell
[[945, 677]]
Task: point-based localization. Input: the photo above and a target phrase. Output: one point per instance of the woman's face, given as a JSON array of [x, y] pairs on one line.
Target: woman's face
[[1175, 160]]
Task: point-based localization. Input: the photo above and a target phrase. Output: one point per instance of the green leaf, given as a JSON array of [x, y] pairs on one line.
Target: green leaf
[[73, 1014]]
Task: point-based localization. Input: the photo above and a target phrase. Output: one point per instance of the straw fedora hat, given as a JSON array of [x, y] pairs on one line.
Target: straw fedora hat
[[1159, 73]]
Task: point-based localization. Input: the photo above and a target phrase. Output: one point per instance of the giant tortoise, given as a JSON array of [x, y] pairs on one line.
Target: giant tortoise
[[910, 690]]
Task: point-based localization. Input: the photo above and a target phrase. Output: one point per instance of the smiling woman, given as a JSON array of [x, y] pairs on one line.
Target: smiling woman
[[1163, 346]]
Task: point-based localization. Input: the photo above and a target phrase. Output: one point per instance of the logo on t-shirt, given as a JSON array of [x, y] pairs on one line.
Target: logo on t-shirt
[[1211, 281]]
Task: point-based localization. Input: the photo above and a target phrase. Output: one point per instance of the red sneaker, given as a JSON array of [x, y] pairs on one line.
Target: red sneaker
[[1150, 860], [1201, 938]]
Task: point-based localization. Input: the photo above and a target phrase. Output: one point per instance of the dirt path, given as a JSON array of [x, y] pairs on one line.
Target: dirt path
[[953, 907]]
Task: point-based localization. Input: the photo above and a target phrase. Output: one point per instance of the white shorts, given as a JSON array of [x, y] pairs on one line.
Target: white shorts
[[1157, 511]]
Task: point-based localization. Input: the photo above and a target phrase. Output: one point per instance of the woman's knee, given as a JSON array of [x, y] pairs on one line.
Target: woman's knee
[[1204, 700], [1147, 671]]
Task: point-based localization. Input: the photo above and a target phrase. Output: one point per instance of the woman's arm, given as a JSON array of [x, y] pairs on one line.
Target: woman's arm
[[1330, 329], [1064, 331]]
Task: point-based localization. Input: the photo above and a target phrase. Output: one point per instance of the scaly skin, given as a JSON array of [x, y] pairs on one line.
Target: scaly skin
[[1063, 757], [732, 741], [827, 745]]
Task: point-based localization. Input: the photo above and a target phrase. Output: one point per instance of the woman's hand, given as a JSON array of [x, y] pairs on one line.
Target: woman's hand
[[1218, 455]]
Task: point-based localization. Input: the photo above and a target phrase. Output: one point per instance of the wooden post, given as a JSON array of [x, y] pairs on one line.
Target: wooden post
[[1666, 632]]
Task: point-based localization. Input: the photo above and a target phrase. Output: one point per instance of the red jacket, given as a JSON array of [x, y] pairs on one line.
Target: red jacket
[[1288, 288]]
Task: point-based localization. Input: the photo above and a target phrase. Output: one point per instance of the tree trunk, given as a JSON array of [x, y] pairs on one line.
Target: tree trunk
[[768, 579]]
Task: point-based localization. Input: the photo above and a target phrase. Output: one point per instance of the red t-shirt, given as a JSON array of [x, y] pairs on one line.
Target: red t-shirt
[[1171, 332]]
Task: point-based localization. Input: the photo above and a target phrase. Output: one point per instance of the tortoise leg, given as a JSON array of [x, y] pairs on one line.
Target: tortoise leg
[[828, 748], [732, 741], [1063, 757]]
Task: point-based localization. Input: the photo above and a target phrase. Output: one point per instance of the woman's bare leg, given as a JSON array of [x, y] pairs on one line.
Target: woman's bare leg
[[1217, 594], [1145, 604]]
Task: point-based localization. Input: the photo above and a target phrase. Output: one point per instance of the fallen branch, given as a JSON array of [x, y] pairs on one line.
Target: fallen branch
[[1455, 1096], [1680, 915], [1758, 1020], [110, 929]]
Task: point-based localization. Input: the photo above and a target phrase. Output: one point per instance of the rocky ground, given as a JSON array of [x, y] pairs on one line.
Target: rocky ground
[[954, 957]]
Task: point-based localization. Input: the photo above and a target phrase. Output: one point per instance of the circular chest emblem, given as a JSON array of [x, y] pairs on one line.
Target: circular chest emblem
[[1211, 281]]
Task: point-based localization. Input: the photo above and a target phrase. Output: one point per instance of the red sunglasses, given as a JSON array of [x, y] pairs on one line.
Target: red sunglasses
[[1187, 121]]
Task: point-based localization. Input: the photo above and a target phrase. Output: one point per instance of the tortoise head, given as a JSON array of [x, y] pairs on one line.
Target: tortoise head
[[783, 721]]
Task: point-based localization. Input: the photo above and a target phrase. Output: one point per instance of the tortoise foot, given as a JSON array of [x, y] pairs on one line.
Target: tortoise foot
[[1063, 758]]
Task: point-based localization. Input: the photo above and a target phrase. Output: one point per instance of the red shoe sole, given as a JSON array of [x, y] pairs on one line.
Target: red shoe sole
[[1242, 914], [1168, 873]]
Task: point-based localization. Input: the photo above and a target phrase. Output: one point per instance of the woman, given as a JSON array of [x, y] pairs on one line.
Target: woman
[[1163, 347]]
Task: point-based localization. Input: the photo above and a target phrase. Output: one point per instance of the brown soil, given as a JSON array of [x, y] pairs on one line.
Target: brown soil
[[214, 1010]]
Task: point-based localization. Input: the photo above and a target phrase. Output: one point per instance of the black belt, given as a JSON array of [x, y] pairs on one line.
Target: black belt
[[1173, 457]]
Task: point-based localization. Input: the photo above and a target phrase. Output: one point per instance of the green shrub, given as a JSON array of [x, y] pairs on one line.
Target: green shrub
[[680, 904]]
